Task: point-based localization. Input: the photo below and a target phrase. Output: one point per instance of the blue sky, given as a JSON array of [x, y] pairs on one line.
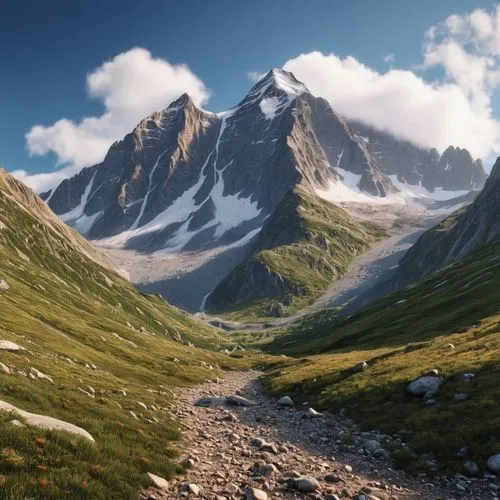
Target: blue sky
[[48, 48]]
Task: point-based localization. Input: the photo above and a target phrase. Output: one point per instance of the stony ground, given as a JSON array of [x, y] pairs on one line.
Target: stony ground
[[278, 451]]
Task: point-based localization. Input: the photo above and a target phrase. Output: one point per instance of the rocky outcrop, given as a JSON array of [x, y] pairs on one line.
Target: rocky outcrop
[[45, 422], [251, 280], [462, 233], [454, 169], [187, 179]]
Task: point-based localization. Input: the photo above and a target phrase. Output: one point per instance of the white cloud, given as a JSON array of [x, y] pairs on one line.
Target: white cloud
[[399, 101], [389, 58], [455, 110], [131, 86]]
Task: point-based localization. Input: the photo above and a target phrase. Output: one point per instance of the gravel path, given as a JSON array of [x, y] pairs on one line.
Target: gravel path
[[229, 449]]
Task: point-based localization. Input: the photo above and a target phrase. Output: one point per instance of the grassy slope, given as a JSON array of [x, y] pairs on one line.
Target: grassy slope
[[70, 313], [299, 255], [402, 336]]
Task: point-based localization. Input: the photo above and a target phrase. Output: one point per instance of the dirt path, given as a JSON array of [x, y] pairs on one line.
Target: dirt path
[[221, 447]]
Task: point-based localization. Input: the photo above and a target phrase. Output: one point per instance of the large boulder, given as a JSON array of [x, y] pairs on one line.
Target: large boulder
[[7, 345], [306, 484], [285, 401], [44, 422], [425, 386], [239, 401], [494, 463]]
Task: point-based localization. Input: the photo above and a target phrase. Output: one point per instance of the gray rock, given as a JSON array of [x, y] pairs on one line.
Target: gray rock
[[424, 386], [372, 445], [471, 468], [268, 470], [306, 484], [494, 463], [285, 401], [468, 377], [332, 478], [3, 285], [239, 401], [360, 367], [268, 447], [188, 463], [204, 401], [461, 396]]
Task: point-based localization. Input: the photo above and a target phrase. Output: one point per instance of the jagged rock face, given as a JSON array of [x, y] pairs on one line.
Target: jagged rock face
[[344, 153], [455, 169], [249, 281], [462, 233], [187, 179]]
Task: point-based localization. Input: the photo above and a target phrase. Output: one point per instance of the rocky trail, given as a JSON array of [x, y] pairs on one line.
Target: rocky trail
[[240, 444]]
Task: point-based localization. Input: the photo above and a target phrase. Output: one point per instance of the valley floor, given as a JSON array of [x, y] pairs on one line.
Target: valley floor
[[224, 461]]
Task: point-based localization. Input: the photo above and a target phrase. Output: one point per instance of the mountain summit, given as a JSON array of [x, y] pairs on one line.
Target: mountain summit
[[189, 180]]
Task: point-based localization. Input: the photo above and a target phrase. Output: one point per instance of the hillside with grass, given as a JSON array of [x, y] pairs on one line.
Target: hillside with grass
[[80, 344], [304, 246], [450, 322]]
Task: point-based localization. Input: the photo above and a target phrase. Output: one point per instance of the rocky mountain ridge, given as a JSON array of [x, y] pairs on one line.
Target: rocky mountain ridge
[[187, 180], [464, 232], [172, 181]]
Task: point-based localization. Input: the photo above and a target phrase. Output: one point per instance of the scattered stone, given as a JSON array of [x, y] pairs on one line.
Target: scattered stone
[[360, 367], [372, 445], [268, 470], [232, 489], [188, 463], [239, 401], [471, 468], [494, 464], [306, 484], [312, 413], [332, 478], [461, 396], [194, 489], [255, 494], [348, 468], [37, 374], [158, 481], [468, 377], [285, 401], [269, 447], [204, 401], [4, 369], [3, 285]]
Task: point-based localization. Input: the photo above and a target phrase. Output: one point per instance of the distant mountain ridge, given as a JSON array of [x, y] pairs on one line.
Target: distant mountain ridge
[[186, 179], [173, 180], [462, 233]]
